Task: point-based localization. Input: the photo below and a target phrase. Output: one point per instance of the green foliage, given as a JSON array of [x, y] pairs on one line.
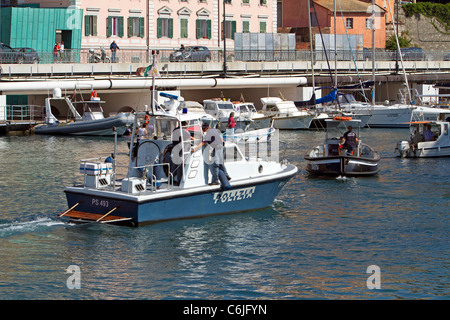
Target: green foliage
[[403, 41], [439, 11]]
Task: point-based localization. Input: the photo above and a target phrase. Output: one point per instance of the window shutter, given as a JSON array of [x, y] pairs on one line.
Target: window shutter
[[208, 30], [159, 31], [170, 31], [141, 27], [94, 25], [233, 29], [120, 26], [198, 28], [109, 27], [87, 25], [130, 27], [184, 28]]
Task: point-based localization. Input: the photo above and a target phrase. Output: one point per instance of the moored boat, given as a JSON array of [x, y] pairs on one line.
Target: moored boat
[[337, 157], [285, 114], [91, 121]]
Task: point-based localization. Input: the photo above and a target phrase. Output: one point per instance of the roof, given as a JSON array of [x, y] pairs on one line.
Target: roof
[[349, 6]]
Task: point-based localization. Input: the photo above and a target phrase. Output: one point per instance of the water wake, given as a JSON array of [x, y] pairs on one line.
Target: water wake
[[9, 228]]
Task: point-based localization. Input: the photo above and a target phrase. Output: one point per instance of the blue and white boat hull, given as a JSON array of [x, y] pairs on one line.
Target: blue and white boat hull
[[141, 209]]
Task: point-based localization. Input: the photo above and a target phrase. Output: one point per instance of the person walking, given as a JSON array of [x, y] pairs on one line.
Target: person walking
[[114, 47], [56, 50]]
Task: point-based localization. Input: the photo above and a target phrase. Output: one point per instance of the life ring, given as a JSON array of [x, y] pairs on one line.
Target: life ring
[[342, 118], [147, 119], [94, 94]]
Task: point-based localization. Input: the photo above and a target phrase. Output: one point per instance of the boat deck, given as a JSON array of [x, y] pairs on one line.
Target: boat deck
[[81, 216]]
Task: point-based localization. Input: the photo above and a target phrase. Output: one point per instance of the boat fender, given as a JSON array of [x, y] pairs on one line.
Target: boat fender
[[342, 118]]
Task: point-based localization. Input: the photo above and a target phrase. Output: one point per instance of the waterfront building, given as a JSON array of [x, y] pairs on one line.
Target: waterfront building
[[151, 24], [353, 17]]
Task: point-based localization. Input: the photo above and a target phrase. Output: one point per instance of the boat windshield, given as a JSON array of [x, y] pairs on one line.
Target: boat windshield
[[226, 106], [346, 98], [336, 128]]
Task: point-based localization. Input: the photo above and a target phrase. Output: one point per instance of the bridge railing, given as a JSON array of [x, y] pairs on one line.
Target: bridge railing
[[143, 56], [22, 113]]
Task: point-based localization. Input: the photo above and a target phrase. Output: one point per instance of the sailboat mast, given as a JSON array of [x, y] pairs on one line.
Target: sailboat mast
[[373, 51], [311, 47]]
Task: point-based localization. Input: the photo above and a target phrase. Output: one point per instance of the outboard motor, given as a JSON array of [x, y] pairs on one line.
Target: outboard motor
[[403, 148]]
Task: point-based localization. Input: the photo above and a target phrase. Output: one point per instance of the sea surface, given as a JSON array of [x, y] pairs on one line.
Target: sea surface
[[322, 238]]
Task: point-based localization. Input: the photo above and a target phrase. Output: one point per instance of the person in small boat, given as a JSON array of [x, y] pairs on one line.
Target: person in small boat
[[428, 134], [349, 141]]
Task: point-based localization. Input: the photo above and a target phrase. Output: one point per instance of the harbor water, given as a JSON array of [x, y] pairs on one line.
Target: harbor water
[[322, 238]]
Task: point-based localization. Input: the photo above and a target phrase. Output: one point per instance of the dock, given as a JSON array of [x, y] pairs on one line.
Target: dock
[[19, 118]]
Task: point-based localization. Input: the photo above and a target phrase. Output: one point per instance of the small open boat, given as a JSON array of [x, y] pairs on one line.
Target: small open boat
[[332, 157], [423, 143]]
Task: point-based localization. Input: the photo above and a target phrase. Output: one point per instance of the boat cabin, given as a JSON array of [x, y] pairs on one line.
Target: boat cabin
[[218, 108], [275, 106]]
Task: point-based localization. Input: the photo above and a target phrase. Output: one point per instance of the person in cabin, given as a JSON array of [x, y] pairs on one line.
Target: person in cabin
[[428, 135]]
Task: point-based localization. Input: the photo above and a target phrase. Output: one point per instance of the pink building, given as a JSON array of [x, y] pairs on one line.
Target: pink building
[[166, 24]]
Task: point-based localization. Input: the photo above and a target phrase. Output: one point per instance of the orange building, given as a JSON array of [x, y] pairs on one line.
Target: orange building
[[352, 17]]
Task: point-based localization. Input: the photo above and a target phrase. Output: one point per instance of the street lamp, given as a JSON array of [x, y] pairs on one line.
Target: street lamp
[[224, 43]]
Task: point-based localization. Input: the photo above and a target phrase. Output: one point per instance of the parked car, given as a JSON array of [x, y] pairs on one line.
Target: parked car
[[17, 55], [447, 57], [195, 53], [412, 53], [7, 54], [27, 55]]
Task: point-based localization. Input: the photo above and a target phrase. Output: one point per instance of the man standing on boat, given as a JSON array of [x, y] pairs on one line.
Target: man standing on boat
[[213, 138], [349, 141]]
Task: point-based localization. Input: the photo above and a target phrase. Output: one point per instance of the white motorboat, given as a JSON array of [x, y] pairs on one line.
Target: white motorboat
[[285, 115], [168, 181], [221, 110], [248, 111], [424, 144], [91, 121]]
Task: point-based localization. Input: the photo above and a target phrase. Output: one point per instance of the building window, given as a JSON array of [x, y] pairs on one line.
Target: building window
[[184, 28], [203, 28], [136, 27], [230, 29], [369, 23], [227, 1], [262, 26], [90, 25], [349, 23], [262, 2], [245, 1], [245, 26], [165, 28], [115, 26]]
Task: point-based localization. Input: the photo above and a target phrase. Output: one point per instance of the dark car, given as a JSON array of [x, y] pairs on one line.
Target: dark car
[[27, 55], [195, 53], [413, 53], [18, 55], [447, 57], [8, 54]]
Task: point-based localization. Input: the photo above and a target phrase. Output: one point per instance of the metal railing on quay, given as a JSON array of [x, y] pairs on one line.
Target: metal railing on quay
[[24, 113], [216, 55]]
